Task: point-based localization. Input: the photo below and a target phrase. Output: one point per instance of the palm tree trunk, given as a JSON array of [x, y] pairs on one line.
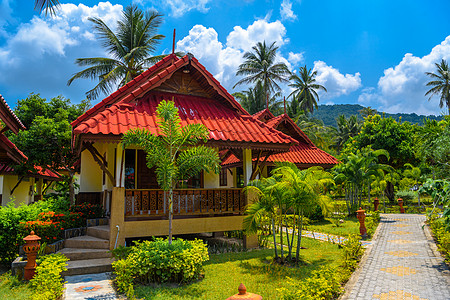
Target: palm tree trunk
[[170, 214], [274, 237], [368, 191], [299, 238], [281, 235]]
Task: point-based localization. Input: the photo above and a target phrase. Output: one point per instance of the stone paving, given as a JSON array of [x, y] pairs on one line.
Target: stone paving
[[89, 287], [402, 263]]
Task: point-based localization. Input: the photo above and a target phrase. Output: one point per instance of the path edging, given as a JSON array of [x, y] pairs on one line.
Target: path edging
[[354, 278]]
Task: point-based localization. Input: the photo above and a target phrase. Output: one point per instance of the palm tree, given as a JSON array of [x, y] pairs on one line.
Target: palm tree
[[259, 65], [48, 6], [346, 128], [173, 152], [254, 99], [367, 111], [440, 84], [306, 88], [307, 189], [130, 48]]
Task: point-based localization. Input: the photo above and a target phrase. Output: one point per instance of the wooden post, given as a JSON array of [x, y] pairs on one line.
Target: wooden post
[[117, 221]]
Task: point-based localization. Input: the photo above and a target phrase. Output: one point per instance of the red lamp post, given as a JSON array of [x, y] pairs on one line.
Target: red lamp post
[[376, 202], [243, 295], [31, 248], [361, 217], [400, 203]]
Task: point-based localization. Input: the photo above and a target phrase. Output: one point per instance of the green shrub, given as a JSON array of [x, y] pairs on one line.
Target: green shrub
[[48, 283], [353, 252], [372, 221], [322, 284], [89, 211], [316, 214], [156, 262], [407, 196], [442, 235]]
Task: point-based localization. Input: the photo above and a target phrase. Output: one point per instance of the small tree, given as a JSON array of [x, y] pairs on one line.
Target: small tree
[[173, 151]]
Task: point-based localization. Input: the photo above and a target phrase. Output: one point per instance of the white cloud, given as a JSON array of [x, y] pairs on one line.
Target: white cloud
[[222, 60], [40, 54], [402, 88], [286, 11], [336, 83], [260, 30], [5, 16], [178, 8], [295, 58]]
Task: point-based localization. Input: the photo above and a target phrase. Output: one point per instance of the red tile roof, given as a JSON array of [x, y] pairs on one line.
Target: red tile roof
[[11, 150], [7, 115], [263, 114], [38, 173], [223, 122], [302, 154]]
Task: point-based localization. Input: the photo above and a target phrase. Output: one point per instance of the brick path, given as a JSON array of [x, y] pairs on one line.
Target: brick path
[[402, 263]]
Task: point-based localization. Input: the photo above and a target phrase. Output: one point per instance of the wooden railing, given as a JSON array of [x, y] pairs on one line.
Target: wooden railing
[[185, 202]]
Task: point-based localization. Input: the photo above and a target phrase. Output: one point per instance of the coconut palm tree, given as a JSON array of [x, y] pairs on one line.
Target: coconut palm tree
[[254, 99], [260, 65], [48, 6], [440, 84], [346, 128], [367, 111], [173, 151], [129, 48], [306, 88]]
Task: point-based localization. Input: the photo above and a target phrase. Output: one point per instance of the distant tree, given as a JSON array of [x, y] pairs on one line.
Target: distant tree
[[174, 152], [129, 50], [254, 100], [367, 111], [440, 84], [306, 88], [47, 140], [346, 128], [260, 65]]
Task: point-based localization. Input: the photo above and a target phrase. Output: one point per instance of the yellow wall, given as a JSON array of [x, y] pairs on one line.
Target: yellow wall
[[91, 176], [23, 192], [211, 180]]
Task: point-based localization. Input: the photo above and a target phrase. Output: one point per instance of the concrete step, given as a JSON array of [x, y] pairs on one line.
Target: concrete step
[[101, 232], [83, 254], [88, 266], [86, 242]]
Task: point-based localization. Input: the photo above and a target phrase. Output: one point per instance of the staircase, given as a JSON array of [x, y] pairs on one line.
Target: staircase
[[88, 254]]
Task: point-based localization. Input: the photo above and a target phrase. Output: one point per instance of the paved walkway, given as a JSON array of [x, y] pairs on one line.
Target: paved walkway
[[401, 264], [89, 287]]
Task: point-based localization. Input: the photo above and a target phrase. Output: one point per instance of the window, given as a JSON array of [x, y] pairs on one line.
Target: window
[[130, 169], [223, 177]]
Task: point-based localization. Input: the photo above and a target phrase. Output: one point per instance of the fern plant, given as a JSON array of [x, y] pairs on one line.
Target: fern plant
[[175, 151]]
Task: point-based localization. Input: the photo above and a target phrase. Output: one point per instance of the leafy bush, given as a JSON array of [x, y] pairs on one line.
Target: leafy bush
[[372, 221], [89, 211], [316, 214], [47, 282], [322, 284], [407, 196], [353, 252], [438, 227], [156, 261], [48, 231]]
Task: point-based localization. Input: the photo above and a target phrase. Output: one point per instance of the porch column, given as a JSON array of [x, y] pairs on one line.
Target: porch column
[[117, 220], [120, 166], [39, 185], [247, 165], [250, 241]]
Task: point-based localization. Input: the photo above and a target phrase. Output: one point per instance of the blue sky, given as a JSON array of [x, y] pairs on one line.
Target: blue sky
[[374, 53]]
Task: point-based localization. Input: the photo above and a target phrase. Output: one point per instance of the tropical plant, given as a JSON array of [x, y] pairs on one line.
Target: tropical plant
[[269, 201], [260, 65], [173, 151], [47, 6], [346, 128], [367, 111], [306, 88], [129, 50], [254, 99], [440, 83], [306, 189]]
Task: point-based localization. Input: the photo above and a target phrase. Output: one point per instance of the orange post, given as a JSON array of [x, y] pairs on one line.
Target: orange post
[[376, 202], [400, 203], [31, 248], [361, 217], [243, 295]]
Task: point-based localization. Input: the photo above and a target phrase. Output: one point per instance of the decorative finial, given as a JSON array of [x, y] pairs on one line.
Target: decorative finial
[[173, 43]]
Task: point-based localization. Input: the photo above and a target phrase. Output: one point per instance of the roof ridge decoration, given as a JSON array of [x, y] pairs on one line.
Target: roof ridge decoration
[[264, 113], [284, 117], [154, 77], [9, 117]]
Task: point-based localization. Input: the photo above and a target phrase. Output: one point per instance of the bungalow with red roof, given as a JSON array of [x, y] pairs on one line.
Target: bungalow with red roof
[[13, 187], [128, 188]]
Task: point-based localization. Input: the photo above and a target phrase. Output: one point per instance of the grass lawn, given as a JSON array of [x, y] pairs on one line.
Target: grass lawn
[[224, 273], [350, 226], [13, 289]]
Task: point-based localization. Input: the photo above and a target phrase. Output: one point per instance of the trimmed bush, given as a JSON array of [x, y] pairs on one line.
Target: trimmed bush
[[48, 283], [353, 252], [441, 235], [157, 262], [407, 196]]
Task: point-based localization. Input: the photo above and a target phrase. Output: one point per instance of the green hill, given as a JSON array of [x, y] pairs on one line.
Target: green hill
[[329, 113]]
